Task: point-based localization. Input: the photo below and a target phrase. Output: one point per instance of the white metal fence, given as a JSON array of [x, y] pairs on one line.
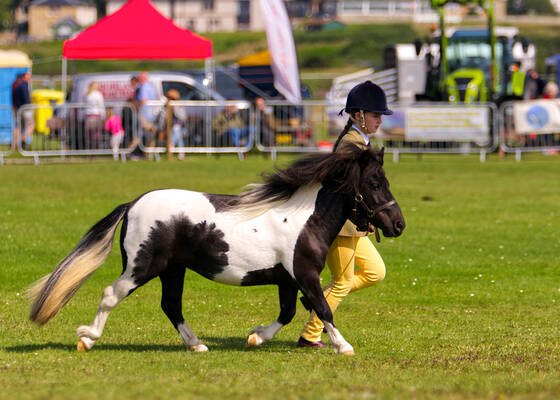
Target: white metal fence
[[530, 126], [440, 128], [197, 127], [183, 127], [66, 130]]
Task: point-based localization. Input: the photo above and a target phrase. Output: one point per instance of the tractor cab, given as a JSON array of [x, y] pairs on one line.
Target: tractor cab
[[469, 63]]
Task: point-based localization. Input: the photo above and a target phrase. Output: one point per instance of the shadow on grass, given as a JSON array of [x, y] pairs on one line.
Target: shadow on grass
[[213, 343]]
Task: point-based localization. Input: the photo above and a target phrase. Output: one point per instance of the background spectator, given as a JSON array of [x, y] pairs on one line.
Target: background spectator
[[21, 97], [95, 114], [227, 127], [148, 114], [550, 90], [267, 122], [534, 85], [177, 124], [114, 126]]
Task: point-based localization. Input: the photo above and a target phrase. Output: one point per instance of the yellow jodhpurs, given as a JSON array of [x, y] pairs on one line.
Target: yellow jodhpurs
[[344, 253]]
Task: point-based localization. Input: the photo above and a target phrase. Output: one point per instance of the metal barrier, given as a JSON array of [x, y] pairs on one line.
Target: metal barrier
[[179, 127], [65, 130], [440, 128], [418, 128], [529, 126], [7, 125], [197, 127], [285, 127]]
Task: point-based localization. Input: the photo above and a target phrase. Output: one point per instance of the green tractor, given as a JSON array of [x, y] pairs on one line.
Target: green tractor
[[464, 65], [480, 65]]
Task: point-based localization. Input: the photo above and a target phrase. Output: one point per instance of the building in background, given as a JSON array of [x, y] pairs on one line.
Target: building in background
[[234, 15], [47, 18]]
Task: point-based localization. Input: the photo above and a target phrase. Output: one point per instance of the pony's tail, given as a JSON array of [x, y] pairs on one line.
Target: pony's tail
[[53, 291]]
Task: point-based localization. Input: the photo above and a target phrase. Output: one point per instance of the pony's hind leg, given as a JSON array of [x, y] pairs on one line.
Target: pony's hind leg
[[112, 295], [288, 298], [171, 294]]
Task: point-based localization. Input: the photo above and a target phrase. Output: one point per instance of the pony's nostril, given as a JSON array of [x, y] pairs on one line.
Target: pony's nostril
[[399, 226]]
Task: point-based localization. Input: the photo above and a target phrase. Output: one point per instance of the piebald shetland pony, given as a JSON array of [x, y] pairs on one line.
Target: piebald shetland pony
[[277, 233]]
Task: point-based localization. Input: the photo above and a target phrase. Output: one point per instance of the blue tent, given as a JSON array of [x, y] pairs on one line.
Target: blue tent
[[12, 63]]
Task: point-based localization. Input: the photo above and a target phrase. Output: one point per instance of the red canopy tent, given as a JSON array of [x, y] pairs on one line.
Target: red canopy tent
[[136, 31]]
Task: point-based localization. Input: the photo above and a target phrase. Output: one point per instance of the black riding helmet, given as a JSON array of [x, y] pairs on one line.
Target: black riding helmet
[[367, 96]]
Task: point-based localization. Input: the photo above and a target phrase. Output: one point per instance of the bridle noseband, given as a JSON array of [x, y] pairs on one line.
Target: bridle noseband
[[359, 200]]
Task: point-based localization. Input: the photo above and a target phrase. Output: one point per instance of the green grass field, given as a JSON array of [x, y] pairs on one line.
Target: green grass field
[[468, 310]]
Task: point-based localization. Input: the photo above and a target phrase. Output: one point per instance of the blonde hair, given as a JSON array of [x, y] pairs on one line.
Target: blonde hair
[[551, 87], [93, 86]]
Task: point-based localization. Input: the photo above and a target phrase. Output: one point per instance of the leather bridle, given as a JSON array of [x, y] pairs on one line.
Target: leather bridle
[[359, 200]]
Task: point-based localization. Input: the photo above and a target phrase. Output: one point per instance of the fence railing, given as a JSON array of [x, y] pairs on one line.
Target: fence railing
[[529, 126], [66, 129], [440, 128], [197, 127], [419, 128], [182, 127]]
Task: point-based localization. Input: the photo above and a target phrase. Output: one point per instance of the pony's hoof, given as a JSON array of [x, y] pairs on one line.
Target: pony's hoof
[[85, 344], [344, 349], [198, 348], [82, 346], [254, 340]]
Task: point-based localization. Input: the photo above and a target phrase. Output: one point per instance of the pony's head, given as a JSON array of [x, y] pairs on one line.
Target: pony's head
[[356, 173], [374, 203]]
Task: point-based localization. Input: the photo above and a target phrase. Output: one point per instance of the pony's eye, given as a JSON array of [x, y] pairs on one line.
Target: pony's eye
[[376, 186]]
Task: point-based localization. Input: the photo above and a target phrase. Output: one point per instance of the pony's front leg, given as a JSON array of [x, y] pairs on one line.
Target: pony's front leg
[[340, 345], [311, 288], [288, 298]]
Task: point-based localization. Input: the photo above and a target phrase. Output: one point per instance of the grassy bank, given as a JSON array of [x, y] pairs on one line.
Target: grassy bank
[[355, 47]]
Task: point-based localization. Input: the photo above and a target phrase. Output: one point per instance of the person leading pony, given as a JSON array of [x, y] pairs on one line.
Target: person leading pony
[[365, 105]]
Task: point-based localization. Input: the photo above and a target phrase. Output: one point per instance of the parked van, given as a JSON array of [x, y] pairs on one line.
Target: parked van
[[115, 86]]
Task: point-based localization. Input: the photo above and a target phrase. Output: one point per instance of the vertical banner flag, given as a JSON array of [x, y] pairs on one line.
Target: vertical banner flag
[[282, 49]]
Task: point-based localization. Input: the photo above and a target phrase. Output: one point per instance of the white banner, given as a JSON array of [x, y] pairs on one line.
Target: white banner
[[282, 49], [537, 116], [446, 124]]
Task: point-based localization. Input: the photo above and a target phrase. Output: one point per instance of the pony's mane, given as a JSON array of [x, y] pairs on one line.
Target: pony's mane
[[341, 169]]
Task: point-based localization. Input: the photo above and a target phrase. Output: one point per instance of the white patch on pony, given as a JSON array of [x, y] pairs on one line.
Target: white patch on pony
[[261, 334], [340, 345], [254, 244], [266, 240], [162, 205]]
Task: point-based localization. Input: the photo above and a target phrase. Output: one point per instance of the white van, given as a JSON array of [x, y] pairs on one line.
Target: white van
[[115, 86]]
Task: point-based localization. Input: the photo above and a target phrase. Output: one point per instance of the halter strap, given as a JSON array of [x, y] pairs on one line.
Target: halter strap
[[359, 199]]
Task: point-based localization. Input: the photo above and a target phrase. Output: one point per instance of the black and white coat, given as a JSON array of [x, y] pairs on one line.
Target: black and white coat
[[277, 233]]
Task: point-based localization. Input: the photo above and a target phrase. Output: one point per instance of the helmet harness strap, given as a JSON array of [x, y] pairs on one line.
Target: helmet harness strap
[[361, 122]]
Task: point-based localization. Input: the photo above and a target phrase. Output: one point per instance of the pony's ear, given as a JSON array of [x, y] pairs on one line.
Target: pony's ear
[[373, 154], [367, 155]]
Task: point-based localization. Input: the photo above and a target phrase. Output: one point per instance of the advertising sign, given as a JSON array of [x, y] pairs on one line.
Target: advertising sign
[[537, 117], [439, 124]]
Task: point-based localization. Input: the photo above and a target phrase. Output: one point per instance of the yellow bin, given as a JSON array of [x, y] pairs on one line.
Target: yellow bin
[[46, 98]]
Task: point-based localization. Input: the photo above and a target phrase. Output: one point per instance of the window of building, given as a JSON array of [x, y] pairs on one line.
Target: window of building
[[352, 5]]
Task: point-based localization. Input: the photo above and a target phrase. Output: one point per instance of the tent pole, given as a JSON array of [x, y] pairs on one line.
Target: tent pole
[[63, 83]]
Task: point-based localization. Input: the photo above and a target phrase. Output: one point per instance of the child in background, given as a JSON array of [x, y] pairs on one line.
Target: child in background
[[115, 128]]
